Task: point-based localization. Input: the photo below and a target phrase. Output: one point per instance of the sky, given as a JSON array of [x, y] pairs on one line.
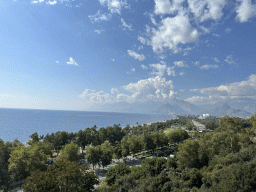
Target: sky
[[74, 54]]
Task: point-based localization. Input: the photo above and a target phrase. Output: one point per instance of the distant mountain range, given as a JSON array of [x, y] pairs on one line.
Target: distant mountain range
[[240, 108]]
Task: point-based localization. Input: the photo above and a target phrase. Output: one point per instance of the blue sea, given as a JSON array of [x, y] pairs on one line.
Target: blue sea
[[20, 123]]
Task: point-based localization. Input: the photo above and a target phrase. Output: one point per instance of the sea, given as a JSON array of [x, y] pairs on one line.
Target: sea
[[21, 123]]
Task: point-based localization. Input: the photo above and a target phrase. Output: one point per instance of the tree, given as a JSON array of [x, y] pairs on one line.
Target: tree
[[134, 144], [23, 160], [177, 136], [63, 176], [148, 142], [35, 137], [5, 151], [188, 154], [253, 120], [106, 154], [93, 155], [125, 147], [69, 152], [116, 172]]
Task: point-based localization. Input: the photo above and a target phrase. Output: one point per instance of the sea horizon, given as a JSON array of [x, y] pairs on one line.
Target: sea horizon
[[20, 123]]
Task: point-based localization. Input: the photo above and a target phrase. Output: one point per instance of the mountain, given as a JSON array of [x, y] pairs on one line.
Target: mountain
[[169, 109], [186, 106], [227, 110]]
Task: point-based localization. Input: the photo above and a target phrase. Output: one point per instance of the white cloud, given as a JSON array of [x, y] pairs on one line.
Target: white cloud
[[160, 69], [114, 91], [179, 64], [125, 25], [207, 67], [228, 30], [243, 88], [115, 6], [198, 100], [136, 55], [172, 32], [51, 2], [170, 71], [229, 60], [99, 17], [91, 96], [216, 59], [245, 10], [216, 35], [168, 7], [237, 90], [57, 62], [144, 67], [207, 9], [39, 1], [72, 62], [156, 88], [197, 63], [133, 69], [99, 31], [182, 73], [143, 40]]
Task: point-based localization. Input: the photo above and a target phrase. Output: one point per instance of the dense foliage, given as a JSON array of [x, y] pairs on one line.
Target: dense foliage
[[222, 160]]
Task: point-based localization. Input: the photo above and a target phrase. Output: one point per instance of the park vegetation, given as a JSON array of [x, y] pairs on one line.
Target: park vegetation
[[221, 160]]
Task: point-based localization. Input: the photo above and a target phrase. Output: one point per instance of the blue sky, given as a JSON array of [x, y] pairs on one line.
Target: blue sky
[[74, 54]]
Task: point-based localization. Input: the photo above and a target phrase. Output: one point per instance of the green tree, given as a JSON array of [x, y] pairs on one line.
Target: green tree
[[134, 144], [69, 152], [35, 137], [177, 136], [125, 147], [106, 154], [116, 172], [23, 160], [188, 154], [93, 155], [148, 142], [64, 176]]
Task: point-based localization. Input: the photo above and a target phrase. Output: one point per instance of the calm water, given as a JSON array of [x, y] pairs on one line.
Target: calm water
[[20, 123]]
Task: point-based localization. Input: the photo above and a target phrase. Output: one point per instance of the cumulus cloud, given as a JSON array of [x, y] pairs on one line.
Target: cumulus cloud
[[132, 69], [72, 62], [168, 7], [237, 90], [156, 89], [114, 91], [99, 31], [172, 32], [179, 64], [243, 88], [144, 67], [115, 6], [136, 55], [228, 30], [245, 10], [207, 9], [197, 63], [51, 2], [151, 89], [96, 97], [216, 59], [229, 60], [207, 67], [125, 25], [160, 69], [99, 17], [39, 1]]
